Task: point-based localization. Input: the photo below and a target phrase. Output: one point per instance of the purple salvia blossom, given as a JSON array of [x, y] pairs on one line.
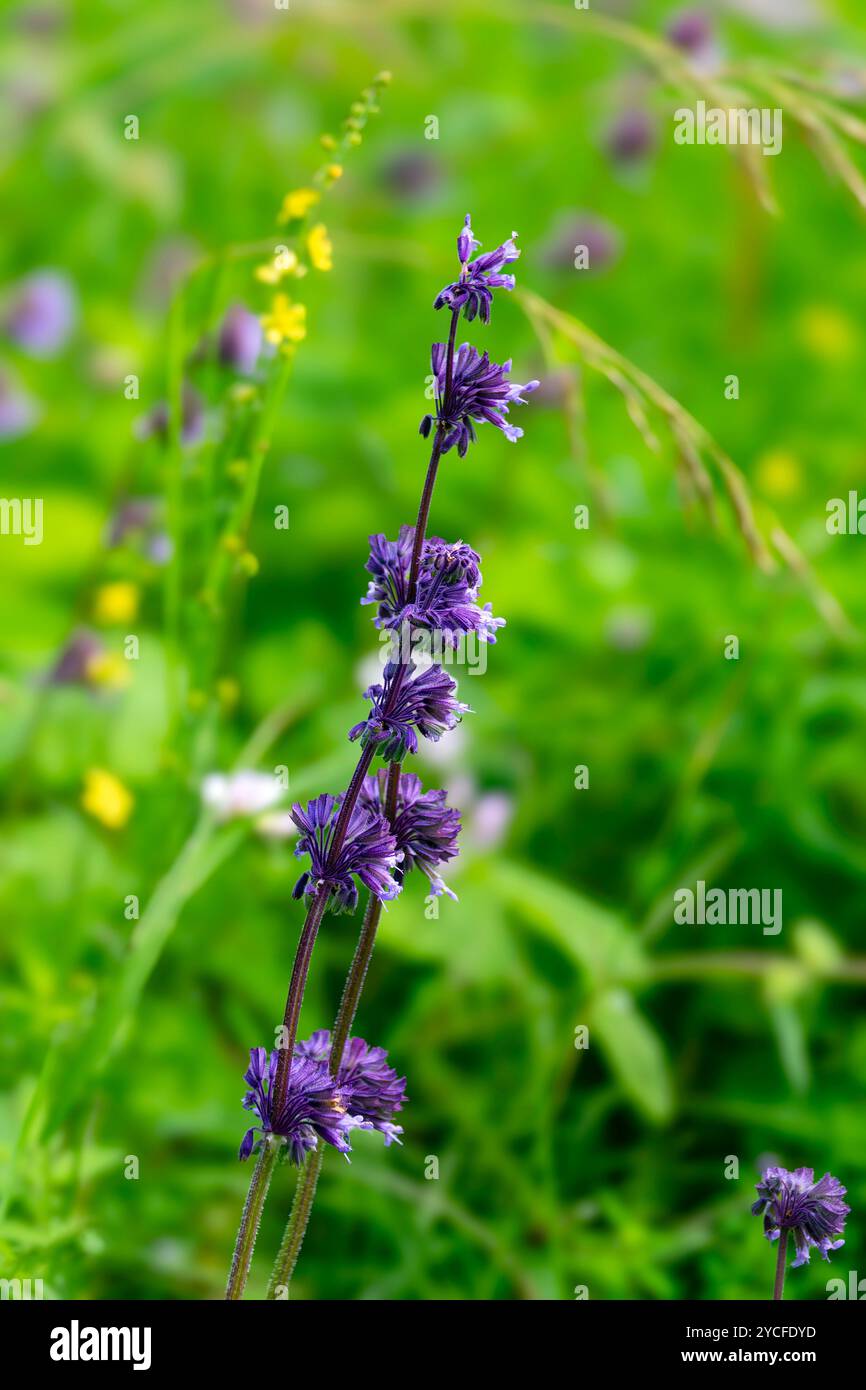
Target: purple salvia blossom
[[473, 292], [480, 390], [813, 1211], [41, 313], [370, 1089], [369, 851], [313, 1108], [446, 593], [425, 828], [240, 339], [406, 705]]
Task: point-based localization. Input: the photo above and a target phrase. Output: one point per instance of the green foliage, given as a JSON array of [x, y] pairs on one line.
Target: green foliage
[[126, 1037]]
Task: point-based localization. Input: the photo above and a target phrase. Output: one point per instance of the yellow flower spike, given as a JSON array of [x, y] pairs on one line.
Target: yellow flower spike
[[106, 799], [334, 171], [320, 247], [286, 322], [284, 263], [115, 603], [297, 204]]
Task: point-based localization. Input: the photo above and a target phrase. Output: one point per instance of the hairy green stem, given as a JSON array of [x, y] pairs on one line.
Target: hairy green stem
[[252, 1215], [296, 1226]]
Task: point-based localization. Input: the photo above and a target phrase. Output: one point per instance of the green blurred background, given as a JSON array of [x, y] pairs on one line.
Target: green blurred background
[[558, 1167]]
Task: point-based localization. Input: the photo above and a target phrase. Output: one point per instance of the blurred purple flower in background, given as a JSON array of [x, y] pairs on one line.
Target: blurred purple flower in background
[[693, 31], [155, 423], [575, 230], [240, 339], [40, 313], [76, 661], [18, 411], [630, 138], [412, 175]]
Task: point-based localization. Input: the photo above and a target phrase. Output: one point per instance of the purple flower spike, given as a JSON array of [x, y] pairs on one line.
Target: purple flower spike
[[370, 1089], [425, 828], [480, 390], [369, 851], [446, 594], [406, 705], [42, 313], [313, 1108], [240, 340], [813, 1211], [473, 292]]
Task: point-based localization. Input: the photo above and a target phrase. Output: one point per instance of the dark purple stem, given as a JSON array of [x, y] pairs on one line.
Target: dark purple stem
[[779, 1285]]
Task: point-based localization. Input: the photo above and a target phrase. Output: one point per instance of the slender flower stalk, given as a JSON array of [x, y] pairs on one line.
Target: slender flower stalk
[[436, 591]]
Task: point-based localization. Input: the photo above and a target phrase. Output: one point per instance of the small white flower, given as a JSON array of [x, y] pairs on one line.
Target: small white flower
[[238, 794]]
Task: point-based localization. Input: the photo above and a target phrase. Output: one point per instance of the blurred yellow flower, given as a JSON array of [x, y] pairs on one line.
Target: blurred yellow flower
[[106, 799], [320, 248], [286, 322], [778, 473], [297, 204], [334, 171], [115, 603], [328, 142], [285, 262], [827, 332], [108, 669]]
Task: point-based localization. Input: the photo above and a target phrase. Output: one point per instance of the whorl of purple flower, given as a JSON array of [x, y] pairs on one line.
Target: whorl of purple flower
[[424, 827], [631, 136], [313, 1107], [691, 30], [369, 851], [370, 1089], [480, 390], [240, 339], [473, 291], [406, 705], [446, 593], [41, 313], [813, 1211]]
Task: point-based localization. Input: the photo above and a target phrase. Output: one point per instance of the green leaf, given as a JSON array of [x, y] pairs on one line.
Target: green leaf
[[634, 1053]]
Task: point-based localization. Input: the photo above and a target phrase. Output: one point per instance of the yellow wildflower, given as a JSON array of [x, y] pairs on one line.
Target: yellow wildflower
[[285, 262], [297, 204], [320, 247], [106, 799], [328, 142], [286, 322], [827, 332], [334, 171], [778, 473], [108, 669], [115, 603]]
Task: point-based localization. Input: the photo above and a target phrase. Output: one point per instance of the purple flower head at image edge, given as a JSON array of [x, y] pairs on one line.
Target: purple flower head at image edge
[[813, 1211], [425, 828], [370, 1089], [369, 851], [480, 390], [473, 291], [41, 313], [446, 593], [420, 704], [313, 1108]]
